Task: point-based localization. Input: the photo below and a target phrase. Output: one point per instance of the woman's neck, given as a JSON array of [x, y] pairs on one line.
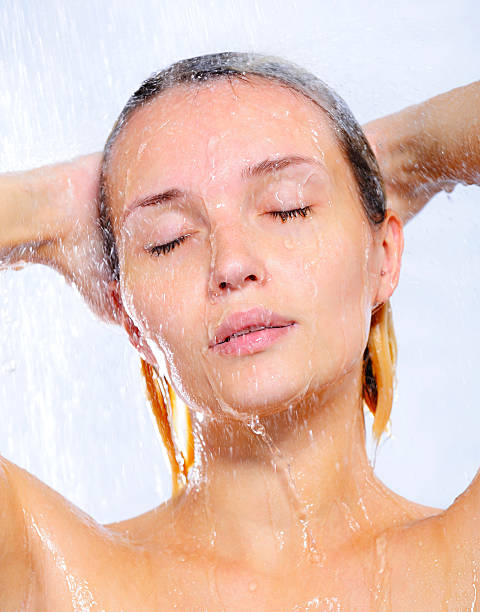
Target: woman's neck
[[296, 482]]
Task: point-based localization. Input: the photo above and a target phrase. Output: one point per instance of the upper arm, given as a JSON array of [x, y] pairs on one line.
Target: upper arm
[[15, 562]]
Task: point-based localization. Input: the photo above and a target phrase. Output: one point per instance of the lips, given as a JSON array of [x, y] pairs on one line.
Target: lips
[[240, 323]]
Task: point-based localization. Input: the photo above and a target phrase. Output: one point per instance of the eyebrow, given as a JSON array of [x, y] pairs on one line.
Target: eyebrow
[[263, 168], [154, 200], [270, 166]]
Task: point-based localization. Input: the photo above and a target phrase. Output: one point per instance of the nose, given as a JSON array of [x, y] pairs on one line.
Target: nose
[[236, 262]]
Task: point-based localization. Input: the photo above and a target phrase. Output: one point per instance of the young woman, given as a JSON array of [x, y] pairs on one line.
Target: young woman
[[243, 241]]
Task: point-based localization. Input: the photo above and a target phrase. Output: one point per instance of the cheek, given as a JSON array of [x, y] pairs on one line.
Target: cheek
[[330, 283], [169, 311], [166, 301], [329, 267], [349, 309]]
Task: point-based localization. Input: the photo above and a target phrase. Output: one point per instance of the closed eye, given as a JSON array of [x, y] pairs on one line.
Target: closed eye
[[285, 215], [163, 249]]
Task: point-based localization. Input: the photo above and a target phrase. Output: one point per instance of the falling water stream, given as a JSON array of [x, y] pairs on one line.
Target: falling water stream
[[280, 462]]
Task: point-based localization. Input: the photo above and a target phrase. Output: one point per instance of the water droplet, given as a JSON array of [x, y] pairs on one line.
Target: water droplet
[[289, 244], [257, 427]]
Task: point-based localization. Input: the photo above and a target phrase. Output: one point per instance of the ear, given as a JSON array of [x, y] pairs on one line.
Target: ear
[[390, 260], [133, 333]]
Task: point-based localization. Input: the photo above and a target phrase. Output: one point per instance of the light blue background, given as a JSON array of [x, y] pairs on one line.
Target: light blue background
[[71, 400]]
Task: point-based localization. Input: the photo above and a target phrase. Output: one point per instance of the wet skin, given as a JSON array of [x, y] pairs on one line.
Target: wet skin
[[234, 540]]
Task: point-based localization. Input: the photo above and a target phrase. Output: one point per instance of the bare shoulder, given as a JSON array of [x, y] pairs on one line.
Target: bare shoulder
[[42, 507], [462, 524], [72, 556], [15, 562], [435, 559], [162, 524], [468, 504]]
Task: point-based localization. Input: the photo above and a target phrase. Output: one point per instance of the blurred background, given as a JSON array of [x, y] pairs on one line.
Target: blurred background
[[72, 405]]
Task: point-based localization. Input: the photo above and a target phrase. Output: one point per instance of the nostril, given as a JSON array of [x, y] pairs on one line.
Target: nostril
[[226, 284]]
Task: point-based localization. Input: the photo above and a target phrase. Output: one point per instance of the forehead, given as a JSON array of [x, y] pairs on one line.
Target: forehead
[[206, 134]]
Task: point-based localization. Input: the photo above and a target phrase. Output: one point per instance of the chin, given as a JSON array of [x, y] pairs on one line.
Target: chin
[[260, 397], [273, 389]]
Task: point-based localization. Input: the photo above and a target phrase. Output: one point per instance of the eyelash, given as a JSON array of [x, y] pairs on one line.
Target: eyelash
[[283, 215], [163, 249]]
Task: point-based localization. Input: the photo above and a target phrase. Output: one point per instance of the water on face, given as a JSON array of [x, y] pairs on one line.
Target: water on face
[[32, 380]]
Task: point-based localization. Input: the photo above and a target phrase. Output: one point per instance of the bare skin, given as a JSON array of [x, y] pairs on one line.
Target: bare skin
[[235, 541]]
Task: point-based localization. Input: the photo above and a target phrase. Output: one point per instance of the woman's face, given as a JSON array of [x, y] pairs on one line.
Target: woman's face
[[207, 166]]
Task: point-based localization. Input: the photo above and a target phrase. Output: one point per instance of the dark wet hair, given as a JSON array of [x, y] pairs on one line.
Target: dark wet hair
[[232, 65]]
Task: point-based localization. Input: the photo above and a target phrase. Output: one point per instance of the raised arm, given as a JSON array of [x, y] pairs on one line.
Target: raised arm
[[49, 216], [428, 147]]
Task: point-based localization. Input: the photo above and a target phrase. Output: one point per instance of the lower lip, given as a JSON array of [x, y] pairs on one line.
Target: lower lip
[[253, 342]]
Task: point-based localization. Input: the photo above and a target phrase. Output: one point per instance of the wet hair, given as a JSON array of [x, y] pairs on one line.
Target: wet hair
[[379, 358]]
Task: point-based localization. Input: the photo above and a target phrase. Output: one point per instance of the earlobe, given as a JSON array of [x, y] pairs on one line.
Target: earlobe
[[133, 333], [137, 340]]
